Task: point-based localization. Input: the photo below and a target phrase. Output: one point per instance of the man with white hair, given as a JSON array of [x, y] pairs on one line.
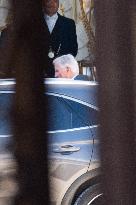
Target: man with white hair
[[66, 66], [61, 34]]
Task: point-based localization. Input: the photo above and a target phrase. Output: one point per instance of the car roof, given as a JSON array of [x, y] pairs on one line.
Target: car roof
[[78, 89]]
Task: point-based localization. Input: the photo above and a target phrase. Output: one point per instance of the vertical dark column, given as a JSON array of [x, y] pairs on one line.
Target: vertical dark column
[[115, 68], [29, 59]]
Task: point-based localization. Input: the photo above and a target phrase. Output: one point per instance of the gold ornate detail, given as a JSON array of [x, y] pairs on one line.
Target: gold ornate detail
[[62, 9]]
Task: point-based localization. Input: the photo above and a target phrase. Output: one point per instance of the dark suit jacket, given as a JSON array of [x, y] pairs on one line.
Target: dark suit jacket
[[63, 36], [81, 77]]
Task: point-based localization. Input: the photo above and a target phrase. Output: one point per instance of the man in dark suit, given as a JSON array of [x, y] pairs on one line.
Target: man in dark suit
[[66, 66], [62, 34]]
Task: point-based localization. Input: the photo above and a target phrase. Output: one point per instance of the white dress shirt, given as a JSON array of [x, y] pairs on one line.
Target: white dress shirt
[[51, 21]]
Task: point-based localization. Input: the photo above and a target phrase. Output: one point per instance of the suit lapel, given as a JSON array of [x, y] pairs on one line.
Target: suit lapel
[[57, 26], [45, 25]]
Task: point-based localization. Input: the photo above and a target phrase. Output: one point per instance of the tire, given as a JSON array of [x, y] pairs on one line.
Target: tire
[[90, 196], [76, 190]]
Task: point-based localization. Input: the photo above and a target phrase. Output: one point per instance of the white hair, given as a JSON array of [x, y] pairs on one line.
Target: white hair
[[68, 61]]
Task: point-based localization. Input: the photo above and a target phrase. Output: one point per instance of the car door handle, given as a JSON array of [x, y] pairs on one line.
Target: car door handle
[[66, 149]]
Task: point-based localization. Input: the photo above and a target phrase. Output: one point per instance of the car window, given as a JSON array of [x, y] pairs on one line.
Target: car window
[[68, 114], [6, 100], [63, 114]]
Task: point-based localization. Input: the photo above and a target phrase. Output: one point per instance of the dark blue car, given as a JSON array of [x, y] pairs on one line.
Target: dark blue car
[[73, 139]]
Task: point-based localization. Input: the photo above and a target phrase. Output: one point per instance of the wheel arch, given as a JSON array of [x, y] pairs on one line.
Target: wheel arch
[[79, 185]]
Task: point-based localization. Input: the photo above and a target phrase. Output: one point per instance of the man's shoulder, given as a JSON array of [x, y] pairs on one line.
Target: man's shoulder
[[81, 77], [66, 19]]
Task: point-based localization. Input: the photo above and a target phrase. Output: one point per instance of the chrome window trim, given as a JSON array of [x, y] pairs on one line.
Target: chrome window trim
[[59, 81], [73, 99], [6, 91], [61, 96], [4, 136], [63, 131], [74, 129], [66, 81]]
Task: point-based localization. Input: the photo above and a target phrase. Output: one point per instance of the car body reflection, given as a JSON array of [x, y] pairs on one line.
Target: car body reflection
[[73, 151]]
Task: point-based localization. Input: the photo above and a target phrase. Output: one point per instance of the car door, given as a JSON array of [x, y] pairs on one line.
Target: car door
[[72, 132]]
